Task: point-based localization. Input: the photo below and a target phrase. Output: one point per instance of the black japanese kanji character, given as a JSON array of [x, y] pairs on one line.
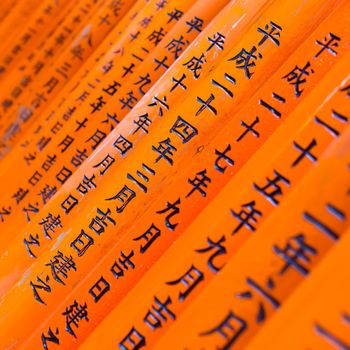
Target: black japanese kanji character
[[112, 120], [176, 46], [111, 89], [179, 83], [184, 130], [43, 142], [82, 243], [141, 176], [81, 124], [218, 40], [30, 209], [51, 337], [67, 141], [159, 313], [272, 109], [124, 196], [175, 15], [49, 162], [230, 328], [69, 203], [332, 130], [32, 240], [160, 103], [98, 105], [97, 137], [79, 157], [134, 340], [105, 164], [297, 77], [74, 314], [99, 289], [161, 4], [56, 128], [156, 36], [50, 223], [29, 158], [161, 63], [128, 70], [249, 129], [321, 225], [296, 252], [195, 24], [143, 82], [206, 104], [195, 65], [60, 266], [123, 264], [64, 175], [218, 248], [272, 189], [122, 144], [225, 89], [247, 216], [223, 157], [145, 22], [20, 194], [305, 152], [246, 60], [199, 183], [40, 285], [149, 236], [104, 20], [174, 210], [86, 185], [35, 178], [256, 288], [190, 279], [129, 101], [165, 150], [271, 31], [107, 67], [328, 44], [99, 222], [143, 123]]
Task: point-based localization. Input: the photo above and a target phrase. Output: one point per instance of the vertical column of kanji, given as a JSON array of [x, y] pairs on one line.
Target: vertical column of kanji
[[34, 67], [236, 15], [37, 26], [322, 321], [263, 273], [204, 245], [55, 174], [157, 161], [16, 21], [52, 79]]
